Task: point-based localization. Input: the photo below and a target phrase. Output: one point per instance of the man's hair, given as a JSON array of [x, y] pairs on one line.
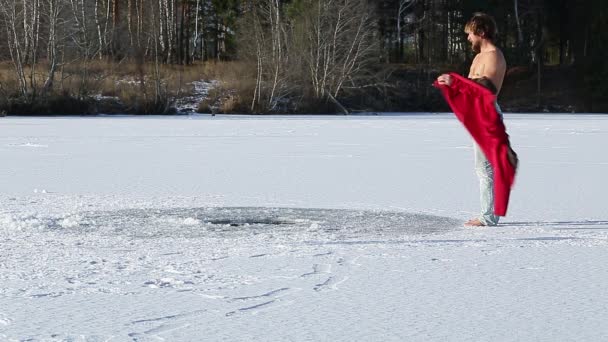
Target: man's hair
[[482, 25]]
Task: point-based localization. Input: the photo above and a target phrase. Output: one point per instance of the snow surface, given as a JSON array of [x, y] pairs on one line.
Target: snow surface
[[298, 228]]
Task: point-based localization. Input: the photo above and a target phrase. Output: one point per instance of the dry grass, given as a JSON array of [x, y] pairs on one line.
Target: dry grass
[[106, 77], [234, 93], [135, 84]]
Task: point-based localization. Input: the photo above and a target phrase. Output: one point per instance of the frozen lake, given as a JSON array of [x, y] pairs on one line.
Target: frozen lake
[[300, 228]]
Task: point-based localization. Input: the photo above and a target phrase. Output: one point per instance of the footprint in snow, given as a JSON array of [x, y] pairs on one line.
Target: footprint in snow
[[317, 269], [272, 293], [331, 284], [269, 299]]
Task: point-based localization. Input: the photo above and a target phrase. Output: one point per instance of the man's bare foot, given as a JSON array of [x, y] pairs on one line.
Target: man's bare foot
[[474, 223]]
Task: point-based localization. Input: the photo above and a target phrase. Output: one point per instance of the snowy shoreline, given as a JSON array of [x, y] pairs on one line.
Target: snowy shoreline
[[193, 114]]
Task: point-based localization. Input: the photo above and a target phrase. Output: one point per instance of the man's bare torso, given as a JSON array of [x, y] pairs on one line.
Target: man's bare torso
[[490, 64]]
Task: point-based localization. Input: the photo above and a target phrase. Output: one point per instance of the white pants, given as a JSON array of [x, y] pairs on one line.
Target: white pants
[[486, 185]]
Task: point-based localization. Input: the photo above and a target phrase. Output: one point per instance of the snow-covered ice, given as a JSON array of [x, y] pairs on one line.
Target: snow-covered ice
[[298, 228]]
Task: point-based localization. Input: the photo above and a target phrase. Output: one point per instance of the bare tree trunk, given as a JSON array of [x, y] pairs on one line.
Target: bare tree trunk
[[196, 36], [275, 21], [33, 42], [404, 5], [140, 21], [85, 30], [317, 53], [98, 26], [26, 30], [130, 21], [259, 58], [187, 33], [520, 36], [53, 13], [82, 41], [107, 45], [167, 33], [37, 26], [162, 5], [10, 17], [115, 24], [115, 13], [181, 23], [171, 29], [156, 42]]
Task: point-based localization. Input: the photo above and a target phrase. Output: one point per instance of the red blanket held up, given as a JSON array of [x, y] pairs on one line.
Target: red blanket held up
[[474, 105]]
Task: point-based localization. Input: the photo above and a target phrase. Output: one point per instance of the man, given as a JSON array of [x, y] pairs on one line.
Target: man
[[488, 69]]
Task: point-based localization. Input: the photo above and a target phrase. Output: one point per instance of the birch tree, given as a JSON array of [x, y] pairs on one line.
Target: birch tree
[[402, 12], [53, 14], [13, 15], [339, 44], [80, 19], [266, 43]]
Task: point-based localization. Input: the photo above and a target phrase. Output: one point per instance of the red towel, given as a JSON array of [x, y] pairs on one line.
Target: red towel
[[474, 105]]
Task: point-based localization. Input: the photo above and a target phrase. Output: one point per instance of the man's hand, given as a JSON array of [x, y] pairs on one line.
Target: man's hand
[[445, 79]]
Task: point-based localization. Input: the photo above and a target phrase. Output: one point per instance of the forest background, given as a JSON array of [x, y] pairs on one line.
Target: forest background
[[290, 56]]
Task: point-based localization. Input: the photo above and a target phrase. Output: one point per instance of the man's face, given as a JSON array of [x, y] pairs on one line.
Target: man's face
[[475, 41]]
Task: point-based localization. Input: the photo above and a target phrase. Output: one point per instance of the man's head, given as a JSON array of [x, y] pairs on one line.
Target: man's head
[[481, 26]]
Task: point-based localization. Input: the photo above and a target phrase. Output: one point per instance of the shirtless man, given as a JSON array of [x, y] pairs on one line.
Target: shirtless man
[[488, 68]]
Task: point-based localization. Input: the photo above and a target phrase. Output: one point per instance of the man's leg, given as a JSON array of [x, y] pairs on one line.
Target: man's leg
[[486, 187]]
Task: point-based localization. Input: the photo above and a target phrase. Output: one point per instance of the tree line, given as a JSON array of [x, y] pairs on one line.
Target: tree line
[[319, 51], [540, 35]]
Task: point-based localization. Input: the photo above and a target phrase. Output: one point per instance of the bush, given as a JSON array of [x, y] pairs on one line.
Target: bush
[[53, 104], [147, 105]]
